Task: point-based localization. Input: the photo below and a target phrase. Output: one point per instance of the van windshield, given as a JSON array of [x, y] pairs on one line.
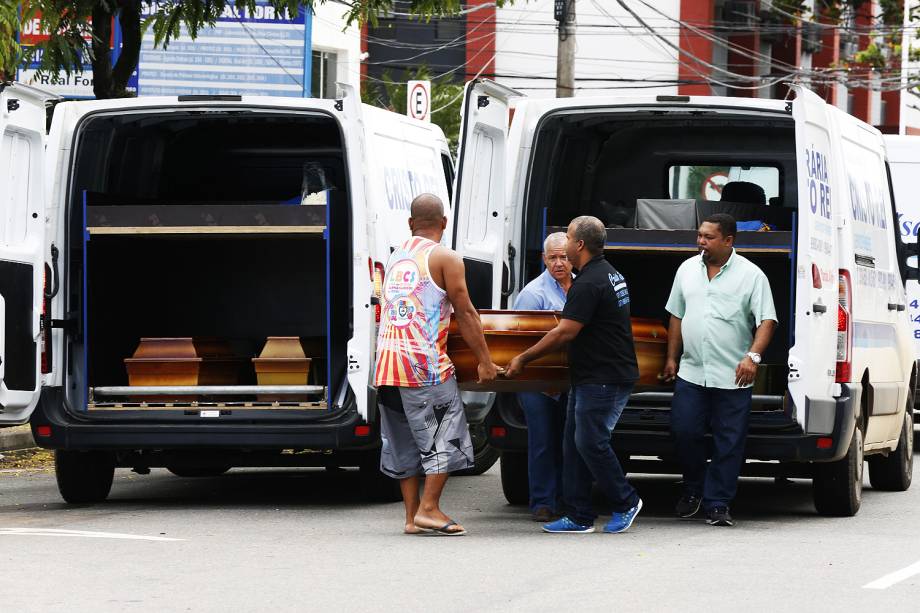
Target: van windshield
[[706, 182]]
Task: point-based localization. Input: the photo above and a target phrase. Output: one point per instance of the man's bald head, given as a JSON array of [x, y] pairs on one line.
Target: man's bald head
[[427, 209], [426, 214]]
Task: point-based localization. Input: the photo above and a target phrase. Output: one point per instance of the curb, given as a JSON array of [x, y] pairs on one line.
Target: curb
[[17, 437]]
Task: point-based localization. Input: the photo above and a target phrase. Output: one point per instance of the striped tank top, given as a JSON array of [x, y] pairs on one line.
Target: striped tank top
[[415, 315]]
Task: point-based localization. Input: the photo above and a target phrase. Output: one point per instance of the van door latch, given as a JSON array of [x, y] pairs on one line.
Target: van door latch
[[819, 308], [895, 307]]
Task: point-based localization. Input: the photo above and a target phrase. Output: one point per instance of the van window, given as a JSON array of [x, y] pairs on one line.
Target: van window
[[448, 165], [706, 182], [15, 166], [482, 187]]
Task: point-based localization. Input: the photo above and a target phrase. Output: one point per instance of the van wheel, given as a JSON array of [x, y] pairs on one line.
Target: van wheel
[[376, 486], [485, 454], [893, 472], [515, 483], [837, 486], [84, 476], [197, 471]]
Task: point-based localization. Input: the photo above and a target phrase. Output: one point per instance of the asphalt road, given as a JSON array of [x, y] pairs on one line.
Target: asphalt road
[[287, 540]]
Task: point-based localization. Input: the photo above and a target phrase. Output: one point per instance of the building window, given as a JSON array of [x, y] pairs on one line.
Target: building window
[[323, 77], [386, 28], [449, 29]]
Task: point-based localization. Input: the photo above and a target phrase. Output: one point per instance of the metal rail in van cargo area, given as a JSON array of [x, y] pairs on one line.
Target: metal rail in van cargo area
[[771, 400], [114, 397]]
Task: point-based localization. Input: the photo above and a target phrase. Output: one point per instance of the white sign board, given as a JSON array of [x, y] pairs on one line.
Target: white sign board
[[257, 52], [418, 100]]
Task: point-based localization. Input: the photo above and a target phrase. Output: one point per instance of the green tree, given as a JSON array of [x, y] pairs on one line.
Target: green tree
[[82, 28], [446, 98]]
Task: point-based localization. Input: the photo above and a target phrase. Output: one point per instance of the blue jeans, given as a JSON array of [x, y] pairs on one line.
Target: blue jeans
[[588, 456], [545, 417], [726, 412]]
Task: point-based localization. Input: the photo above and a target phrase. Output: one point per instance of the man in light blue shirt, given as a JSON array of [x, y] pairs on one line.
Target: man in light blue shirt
[[545, 414], [717, 299]]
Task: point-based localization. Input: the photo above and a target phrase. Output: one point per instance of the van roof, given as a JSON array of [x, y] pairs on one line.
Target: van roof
[[193, 101], [589, 102], [269, 102]]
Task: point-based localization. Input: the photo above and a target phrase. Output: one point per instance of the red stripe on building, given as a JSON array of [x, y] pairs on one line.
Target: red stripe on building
[[480, 42], [700, 14]]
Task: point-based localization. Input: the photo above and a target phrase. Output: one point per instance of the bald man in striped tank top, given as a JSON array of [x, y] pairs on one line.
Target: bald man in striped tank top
[[423, 429]]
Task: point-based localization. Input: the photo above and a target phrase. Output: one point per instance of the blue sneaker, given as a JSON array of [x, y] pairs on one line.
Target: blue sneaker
[[620, 522], [564, 525]]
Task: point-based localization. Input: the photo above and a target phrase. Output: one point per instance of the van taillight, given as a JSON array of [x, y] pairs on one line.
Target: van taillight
[[844, 327], [378, 289], [45, 324], [815, 276]]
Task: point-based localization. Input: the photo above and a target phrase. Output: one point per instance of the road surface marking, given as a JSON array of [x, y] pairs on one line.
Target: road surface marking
[[895, 577], [80, 534]]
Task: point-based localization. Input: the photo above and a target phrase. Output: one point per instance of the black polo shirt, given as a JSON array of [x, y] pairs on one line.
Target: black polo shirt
[[603, 351]]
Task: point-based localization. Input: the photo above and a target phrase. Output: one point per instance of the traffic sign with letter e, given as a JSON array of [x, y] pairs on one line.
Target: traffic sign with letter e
[[418, 100]]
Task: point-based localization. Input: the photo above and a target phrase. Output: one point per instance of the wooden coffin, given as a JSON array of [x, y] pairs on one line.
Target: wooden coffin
[[183, 361], [282, 362], [509, 333]]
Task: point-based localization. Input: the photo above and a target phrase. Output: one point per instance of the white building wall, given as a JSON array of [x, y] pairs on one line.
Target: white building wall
[[610, 44], [910, 104], [330, 35]]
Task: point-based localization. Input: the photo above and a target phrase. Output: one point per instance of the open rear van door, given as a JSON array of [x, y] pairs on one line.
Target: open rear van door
[[22, 240], [480, 189], [361, 343], [813, 356]]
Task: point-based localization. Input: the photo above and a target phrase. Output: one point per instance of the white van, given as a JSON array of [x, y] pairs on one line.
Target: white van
[[904, 162], [217, 217], [840, 371]]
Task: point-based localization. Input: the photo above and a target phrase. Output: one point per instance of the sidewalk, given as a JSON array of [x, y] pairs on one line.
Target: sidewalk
[[17, 437]]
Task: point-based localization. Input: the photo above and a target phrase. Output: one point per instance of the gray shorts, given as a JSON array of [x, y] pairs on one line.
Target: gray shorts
[[423, 430]]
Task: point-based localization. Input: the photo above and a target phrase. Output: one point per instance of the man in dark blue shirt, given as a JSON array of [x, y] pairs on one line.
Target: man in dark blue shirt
[[596, 326]]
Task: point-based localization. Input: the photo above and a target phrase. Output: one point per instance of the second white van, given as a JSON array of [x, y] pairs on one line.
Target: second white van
[[838, 378]]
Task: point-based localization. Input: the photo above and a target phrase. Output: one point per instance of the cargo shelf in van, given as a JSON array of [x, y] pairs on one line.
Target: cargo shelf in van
[[778, 242], [171, 219]]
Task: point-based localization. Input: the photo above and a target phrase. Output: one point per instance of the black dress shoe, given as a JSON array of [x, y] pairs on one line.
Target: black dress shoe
[[544, 515], [719, 516], [688, 505]]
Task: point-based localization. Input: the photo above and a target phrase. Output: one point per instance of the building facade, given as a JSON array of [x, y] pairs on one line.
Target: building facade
[[744, 48]]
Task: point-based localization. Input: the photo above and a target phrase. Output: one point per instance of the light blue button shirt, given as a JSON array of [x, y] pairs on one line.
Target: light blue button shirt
[[542, 294], [718, 316]]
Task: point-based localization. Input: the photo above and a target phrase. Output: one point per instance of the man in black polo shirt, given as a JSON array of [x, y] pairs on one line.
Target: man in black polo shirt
[[602, 361]]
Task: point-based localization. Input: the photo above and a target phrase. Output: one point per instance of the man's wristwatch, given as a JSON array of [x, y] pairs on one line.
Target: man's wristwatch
[[755, 357]]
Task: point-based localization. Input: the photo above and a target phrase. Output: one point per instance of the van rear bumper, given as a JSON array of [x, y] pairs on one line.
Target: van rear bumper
[[783, 441], [336, 432]]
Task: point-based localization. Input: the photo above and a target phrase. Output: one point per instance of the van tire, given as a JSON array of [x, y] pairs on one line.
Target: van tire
[[515, 482], [837, 486], [893, 473], [84, 477], [485, 455], [376, 486]]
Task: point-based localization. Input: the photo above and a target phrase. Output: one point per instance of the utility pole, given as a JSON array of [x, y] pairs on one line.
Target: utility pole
[[565, 53]]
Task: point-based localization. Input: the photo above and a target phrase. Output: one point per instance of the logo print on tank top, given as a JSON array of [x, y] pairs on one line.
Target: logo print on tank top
[[400, 283]]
